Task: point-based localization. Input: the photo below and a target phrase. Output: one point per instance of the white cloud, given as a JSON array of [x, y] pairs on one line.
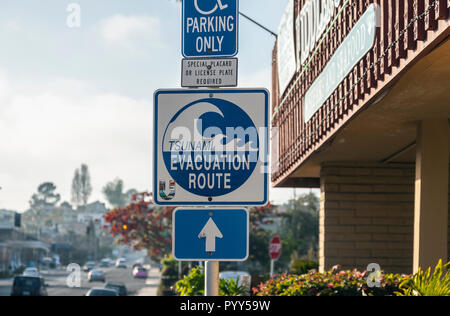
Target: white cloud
[[10, 25], [131, 32], [258, 79], [48, 131]]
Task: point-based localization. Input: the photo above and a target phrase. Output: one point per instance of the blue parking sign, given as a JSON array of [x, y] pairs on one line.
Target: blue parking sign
[[210, 28], [210, 234]]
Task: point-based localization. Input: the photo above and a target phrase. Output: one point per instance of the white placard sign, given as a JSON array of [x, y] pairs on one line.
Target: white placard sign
[[209, 72], [287, 65]]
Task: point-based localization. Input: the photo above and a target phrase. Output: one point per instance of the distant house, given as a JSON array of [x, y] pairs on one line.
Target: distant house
[[7, 219], [93, 212], [17, 248], [96, 208], [87, 218]]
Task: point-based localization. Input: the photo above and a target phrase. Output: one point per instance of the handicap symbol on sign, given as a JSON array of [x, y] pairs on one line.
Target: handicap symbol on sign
[[218, 5]]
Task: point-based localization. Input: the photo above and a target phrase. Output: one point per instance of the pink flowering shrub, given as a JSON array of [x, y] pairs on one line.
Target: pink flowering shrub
[[331, 283]]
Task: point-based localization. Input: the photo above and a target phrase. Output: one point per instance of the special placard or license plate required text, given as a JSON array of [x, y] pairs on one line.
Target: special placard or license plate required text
[[209, 72]]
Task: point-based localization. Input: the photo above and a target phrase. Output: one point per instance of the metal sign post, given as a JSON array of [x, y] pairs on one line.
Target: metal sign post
[[211, 146], [212, 278], [272, 264]]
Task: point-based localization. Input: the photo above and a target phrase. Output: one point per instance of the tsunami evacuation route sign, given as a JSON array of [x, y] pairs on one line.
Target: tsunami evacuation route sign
[[211, 147]]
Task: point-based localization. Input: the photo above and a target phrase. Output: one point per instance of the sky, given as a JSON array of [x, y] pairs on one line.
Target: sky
[[74, 95]]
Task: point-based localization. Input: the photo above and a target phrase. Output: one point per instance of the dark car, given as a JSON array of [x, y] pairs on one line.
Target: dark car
[[89, 266], [101, 292], [120, 288], [96, 275], [28, 286], [137, 264]]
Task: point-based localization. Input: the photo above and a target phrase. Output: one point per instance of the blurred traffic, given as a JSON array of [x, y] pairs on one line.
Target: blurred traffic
[[125, 277]]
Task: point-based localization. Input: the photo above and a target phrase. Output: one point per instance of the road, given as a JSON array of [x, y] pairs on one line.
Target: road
[[56, 281]]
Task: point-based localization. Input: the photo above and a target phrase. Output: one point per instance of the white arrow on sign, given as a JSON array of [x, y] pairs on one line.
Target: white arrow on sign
[[210, 231]]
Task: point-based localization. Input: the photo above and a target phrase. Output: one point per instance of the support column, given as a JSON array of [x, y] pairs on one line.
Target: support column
[[431, 194]]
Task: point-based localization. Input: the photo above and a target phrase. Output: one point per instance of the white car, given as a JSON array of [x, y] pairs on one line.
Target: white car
[[97, 275], [31, 272], [121, 263]]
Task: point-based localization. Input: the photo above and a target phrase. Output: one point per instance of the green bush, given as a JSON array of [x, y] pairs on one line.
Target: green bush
[[302, 266], [169, 276], [19, 270], [423, 283], [194, 285], [5, 274], [330, 283], [231, 288], [169, 261]]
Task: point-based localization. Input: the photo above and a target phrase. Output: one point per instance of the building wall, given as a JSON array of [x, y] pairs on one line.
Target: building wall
[[367, 216]]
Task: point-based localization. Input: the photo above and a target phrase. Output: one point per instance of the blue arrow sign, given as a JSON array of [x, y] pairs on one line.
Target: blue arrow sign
[[212, 235], [210, 28]]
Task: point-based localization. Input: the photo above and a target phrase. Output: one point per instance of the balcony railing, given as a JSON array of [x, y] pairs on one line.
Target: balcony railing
[[404, 27]]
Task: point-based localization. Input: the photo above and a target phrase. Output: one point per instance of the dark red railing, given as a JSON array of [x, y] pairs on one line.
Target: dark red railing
[[403, 24]]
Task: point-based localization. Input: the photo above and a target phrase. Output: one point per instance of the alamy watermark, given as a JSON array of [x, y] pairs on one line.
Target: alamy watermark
[[375, 275], [212, 145], [74, 278], [74, 18]]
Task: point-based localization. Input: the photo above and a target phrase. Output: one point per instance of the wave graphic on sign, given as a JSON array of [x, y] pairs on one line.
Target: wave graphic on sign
[[211, 147]]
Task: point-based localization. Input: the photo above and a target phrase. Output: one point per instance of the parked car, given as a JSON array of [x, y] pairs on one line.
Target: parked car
[[31, 272], [96, 275], [89, 266], [121, 263], [140, 273], [120, 288], [28, 286], [101, 292]]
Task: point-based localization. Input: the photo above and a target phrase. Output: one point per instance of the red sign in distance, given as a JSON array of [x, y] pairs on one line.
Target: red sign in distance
[[275, 248]]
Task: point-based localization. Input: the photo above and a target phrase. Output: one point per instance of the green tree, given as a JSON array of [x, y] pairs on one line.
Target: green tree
[[81, 186], [299, 229], [115, 195], [85, 184], [259, 261], [113, 192], [45, 196], [76, 189]]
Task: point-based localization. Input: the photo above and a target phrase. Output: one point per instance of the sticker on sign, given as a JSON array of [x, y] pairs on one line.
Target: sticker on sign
[[211, 147], [213, 73]]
